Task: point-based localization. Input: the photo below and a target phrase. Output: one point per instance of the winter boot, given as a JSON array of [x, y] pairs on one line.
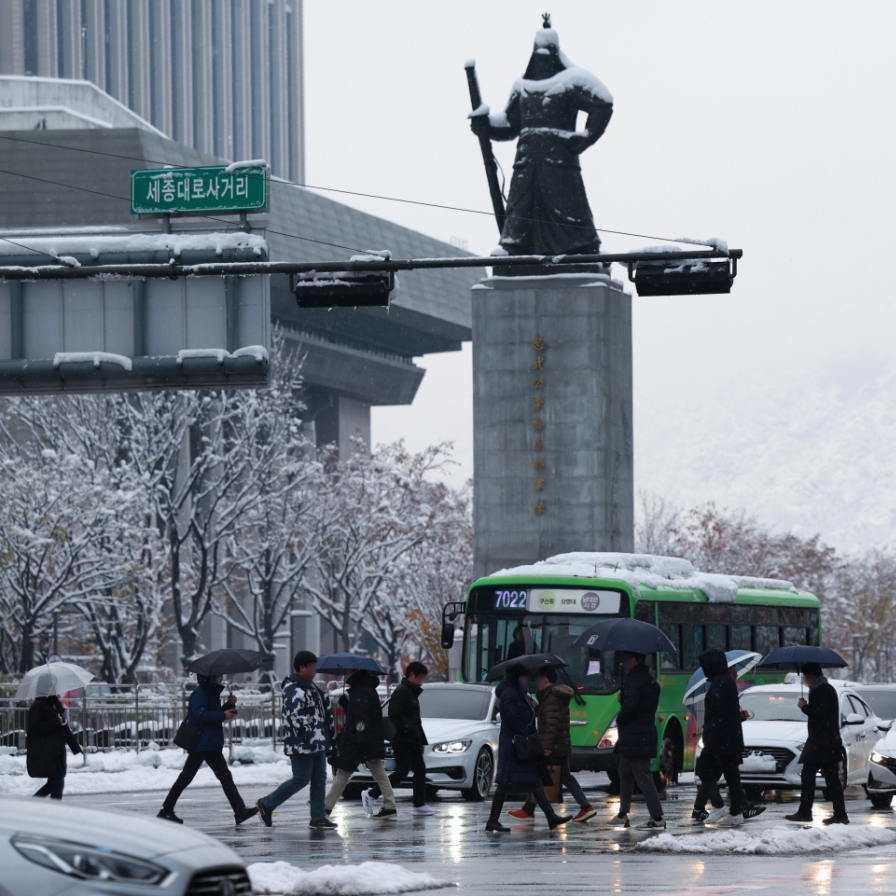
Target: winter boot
[[554, 820], [493, 825]]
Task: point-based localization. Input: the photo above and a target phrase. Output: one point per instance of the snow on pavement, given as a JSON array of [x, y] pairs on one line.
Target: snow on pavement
[[773, 841], [366, 879], [152, 769]]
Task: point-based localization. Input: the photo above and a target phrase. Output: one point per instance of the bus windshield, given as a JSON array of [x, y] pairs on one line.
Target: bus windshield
[[491, 639], [772, 706]]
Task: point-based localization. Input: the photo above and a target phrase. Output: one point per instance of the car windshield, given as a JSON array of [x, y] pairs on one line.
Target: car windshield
[[772, 706], [470, 704], [882, 703]]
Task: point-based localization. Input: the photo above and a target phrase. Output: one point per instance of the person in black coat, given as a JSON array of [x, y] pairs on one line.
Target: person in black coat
[[409, 739], [363, 739], [723, 737], [516, 774], [636, 723], [47, 736], [824, 747]]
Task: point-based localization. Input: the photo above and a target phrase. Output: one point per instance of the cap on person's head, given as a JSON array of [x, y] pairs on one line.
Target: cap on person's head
[[812, 669]]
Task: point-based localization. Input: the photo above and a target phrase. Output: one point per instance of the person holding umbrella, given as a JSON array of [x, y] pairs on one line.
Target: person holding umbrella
[[309, 738], [208, 713], [47, 737], [823, 748], [521, 763], [636, 723], [363, 739], [552, 714]]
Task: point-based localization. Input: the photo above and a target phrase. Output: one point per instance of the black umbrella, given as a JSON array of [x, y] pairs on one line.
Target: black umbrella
[[630, 635], [229, 661], [532, 662], [340, 663], [796, 656]]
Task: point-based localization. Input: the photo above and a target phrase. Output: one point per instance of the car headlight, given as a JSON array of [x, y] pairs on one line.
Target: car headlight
[[452, 746], [878, 757], [610, 738], [88, 862], [800, 747]]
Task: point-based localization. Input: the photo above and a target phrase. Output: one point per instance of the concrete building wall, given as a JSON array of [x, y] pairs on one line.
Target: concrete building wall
[[222, 76], [552, 419]]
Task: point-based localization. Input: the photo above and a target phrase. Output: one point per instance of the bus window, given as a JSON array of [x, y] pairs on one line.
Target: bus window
[[476, 665], [768, 638], [691, 646], [645, 610], [670, 660], [739, 637], [715, 637], [794, 636]]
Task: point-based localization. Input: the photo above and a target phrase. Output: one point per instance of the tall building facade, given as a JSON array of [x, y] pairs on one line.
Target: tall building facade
[[222, 76]]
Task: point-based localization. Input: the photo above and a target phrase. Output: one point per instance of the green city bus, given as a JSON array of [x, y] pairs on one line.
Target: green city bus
[[543, 609]]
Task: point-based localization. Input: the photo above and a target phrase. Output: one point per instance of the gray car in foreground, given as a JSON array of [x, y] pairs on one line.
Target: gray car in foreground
[[48, 847]]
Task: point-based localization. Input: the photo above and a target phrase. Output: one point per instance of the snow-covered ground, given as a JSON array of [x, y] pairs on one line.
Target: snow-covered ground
[[366, 879], [774, 841], [151, 769]]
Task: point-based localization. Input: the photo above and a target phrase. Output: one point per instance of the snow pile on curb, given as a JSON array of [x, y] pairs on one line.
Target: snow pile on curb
[[152, 769], [366, 879], [773, 841]]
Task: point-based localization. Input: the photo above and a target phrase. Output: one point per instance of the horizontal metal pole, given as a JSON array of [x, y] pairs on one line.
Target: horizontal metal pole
[[241, 268]]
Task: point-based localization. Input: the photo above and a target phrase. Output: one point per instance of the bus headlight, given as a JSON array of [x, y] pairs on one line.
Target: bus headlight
[[610, 738], [453, 746]]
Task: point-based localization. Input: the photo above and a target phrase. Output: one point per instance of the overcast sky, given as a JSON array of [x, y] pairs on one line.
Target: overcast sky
[[768, 124]]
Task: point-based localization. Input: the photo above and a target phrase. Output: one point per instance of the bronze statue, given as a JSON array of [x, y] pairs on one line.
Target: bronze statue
[[547, 209]]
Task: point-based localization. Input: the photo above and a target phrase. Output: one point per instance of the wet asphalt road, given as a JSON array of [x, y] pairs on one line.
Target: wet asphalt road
[[588, 858]]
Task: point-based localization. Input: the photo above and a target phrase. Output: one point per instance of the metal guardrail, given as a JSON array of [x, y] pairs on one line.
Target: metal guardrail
[[131, 717]]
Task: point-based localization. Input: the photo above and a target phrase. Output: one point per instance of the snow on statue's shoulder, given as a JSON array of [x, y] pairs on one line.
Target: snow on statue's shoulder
[[648, 570], [568, 79]]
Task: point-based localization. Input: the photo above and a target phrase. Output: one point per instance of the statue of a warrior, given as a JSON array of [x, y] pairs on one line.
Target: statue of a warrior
[[547, 210]]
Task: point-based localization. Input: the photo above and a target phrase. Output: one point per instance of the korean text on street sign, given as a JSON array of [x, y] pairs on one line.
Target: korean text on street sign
[[156, 191]]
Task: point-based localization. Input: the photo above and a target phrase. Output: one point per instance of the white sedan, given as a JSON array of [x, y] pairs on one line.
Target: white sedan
[[775, 736], [460, 722]]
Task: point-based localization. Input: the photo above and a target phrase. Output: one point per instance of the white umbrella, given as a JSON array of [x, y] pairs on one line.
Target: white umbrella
[[52, 678]]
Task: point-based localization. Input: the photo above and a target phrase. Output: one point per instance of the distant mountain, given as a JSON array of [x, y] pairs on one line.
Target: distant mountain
[[808, 452]]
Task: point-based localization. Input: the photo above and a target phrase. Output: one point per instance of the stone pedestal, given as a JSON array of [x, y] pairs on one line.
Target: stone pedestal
[[552, 418]]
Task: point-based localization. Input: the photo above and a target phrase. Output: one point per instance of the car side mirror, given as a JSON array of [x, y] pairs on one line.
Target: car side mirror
[[447, 635], [497, 718], [885, 725], [854, 719]]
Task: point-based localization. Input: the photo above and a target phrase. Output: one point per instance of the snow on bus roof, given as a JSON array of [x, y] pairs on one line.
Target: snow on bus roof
[[648, 570]]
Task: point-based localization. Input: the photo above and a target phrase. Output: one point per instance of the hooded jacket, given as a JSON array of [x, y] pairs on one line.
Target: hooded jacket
[[47, 738], [206, 711], [308, 718], [404, 712], [722, 725], [363, 736], [553, 720], [636, 721]]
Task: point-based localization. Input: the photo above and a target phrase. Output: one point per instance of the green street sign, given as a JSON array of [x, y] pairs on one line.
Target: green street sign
[[161, 191]]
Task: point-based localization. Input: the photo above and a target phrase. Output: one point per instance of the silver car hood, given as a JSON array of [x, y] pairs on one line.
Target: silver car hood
[[441, 730], [125, 832]]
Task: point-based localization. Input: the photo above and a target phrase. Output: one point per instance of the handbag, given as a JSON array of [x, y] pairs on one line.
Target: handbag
[[390, 732], [528, 747], [188, 736]]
